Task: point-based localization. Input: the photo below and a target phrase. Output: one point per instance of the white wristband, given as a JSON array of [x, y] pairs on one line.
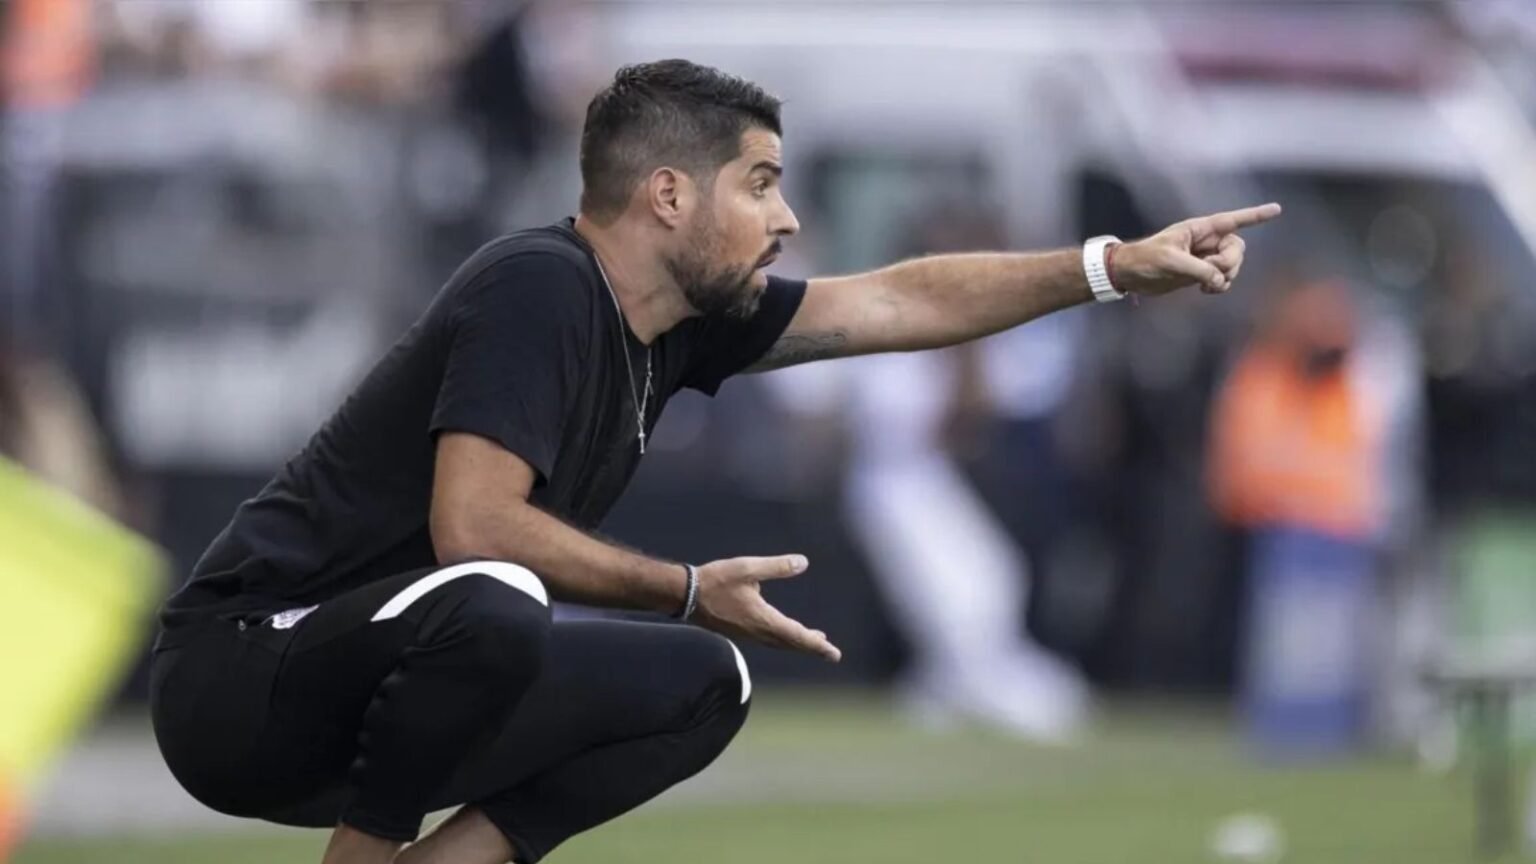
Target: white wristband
[[1098, 274]]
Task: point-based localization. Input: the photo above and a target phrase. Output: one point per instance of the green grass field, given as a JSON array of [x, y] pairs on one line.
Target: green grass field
[[833, 780]]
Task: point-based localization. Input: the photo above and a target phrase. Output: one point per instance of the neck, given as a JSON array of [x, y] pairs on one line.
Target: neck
[[652, 302]]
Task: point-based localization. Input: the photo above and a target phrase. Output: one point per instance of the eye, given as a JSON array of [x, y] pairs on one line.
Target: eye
[[759, 189]]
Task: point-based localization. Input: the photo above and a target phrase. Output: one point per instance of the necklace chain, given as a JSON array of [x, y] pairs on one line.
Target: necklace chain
[[638, 399]]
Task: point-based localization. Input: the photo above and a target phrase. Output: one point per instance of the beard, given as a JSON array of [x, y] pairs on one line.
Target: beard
[[709, 288]]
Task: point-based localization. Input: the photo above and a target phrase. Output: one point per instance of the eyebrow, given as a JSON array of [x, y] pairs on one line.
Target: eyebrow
[[773, 168]]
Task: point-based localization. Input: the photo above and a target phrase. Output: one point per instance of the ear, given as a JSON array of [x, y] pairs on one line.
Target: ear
[[671, 196]]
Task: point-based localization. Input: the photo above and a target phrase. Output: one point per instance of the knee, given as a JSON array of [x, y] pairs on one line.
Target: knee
[[721, 676], [497, 618], [722, 694]]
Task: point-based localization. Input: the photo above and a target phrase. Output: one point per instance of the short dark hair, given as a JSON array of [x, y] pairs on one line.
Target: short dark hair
[[670, 112]]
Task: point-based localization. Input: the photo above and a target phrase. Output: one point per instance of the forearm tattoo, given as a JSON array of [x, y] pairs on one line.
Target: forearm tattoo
[[793, 348]]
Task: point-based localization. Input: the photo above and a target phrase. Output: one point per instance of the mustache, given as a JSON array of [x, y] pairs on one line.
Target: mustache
[[775, 249]]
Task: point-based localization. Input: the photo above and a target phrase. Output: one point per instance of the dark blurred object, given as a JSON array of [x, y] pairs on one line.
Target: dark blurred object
[[494, 90], [961, 227], [467, 166], [1481, 363], [1134, 430]]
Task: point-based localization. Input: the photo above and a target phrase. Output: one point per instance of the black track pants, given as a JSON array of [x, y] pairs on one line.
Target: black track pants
[[437, 688]]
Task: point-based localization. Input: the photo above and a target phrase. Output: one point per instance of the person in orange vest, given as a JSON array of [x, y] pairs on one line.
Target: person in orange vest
[[1294, 460], [48, 56], [1291, 437]]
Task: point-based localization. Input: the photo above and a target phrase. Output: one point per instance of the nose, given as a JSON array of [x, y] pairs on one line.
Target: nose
[[785, 224]]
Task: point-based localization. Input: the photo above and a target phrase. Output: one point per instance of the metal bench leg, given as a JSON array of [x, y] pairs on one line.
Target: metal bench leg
[[1490, 706]]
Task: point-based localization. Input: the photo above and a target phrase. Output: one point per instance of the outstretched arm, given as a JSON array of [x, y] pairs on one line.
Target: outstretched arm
[[947, 299]]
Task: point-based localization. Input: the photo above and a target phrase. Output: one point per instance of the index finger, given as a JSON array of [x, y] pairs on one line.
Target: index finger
[[792, 634], [1232, 220]]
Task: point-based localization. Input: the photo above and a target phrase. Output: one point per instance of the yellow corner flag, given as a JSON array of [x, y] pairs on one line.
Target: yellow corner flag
[[76, 592]]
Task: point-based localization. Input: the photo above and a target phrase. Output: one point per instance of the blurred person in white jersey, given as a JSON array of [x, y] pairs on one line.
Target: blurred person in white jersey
[[956, 579]]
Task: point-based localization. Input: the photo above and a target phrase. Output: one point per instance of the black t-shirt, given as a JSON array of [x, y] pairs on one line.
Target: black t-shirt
[[522, 346]]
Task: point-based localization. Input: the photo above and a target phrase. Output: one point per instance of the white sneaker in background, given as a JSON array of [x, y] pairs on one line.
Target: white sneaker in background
[[1027, 694]]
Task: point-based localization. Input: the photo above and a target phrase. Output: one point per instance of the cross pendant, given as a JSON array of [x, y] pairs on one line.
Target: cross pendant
[[642, 441]]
